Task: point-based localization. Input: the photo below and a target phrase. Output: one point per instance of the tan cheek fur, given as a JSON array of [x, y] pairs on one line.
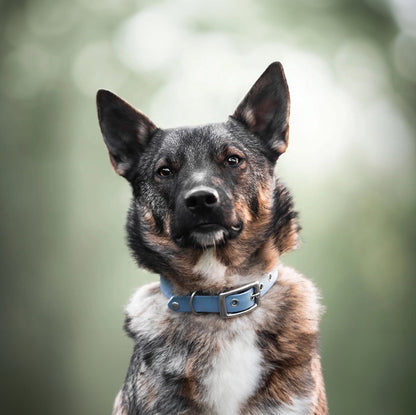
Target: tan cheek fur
[[236, 255], [269, 255], [182, 259], [288, 238]]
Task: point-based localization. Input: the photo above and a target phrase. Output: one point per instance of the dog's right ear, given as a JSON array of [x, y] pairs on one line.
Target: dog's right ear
[[126, 131]]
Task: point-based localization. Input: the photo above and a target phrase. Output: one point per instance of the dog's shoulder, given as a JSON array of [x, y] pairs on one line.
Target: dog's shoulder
[[298, 294], [288, 336], [145, 310], [292, 308], [290, 332]]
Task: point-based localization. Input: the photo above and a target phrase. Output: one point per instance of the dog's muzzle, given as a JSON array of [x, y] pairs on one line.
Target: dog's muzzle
[[204, 217]]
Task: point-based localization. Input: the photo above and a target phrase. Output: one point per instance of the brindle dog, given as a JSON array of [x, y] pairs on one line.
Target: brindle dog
[[209, 215]]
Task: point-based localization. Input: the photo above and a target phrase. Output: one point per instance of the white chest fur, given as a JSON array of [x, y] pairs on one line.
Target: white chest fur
[[234, 374], [210, 267]]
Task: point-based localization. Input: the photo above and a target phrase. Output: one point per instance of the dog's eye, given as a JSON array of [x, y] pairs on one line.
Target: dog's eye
[[233, 161], [165, 171]]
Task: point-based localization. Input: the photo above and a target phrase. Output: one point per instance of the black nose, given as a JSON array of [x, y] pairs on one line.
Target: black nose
[[201, 198]]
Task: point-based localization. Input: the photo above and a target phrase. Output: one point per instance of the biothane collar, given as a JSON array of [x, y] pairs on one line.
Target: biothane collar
[[228, 304]]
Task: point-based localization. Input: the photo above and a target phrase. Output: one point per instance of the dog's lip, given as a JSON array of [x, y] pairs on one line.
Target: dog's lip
[[231, 231], [208, 227]]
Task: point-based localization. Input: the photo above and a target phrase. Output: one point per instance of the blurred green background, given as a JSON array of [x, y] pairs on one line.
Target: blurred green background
[[65, 270]]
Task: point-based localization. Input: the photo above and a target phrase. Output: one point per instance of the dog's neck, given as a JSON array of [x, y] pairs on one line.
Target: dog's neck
[[227, 304], [210, 274]]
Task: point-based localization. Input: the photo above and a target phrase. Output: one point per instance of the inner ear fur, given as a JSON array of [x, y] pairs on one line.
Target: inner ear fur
[[126, 131], [265, 110]]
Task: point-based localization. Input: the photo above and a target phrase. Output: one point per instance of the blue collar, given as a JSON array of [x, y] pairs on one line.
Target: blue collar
[[228, 304]]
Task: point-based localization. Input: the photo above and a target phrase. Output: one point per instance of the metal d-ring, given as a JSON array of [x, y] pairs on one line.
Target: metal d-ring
[[191, 303]]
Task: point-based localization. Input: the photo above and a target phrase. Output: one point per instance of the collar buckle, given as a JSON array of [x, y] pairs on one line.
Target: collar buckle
[[255, 297]]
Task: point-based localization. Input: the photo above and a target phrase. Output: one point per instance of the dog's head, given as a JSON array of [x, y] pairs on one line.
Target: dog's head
[[209, 186]]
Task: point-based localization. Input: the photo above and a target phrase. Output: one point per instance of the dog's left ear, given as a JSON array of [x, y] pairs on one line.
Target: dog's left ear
[[265, 110]]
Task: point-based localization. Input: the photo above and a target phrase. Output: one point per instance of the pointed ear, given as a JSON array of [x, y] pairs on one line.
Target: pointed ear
[[126, 131], [265, 110]]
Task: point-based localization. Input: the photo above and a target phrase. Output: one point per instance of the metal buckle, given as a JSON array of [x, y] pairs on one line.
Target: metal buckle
[[191, 304], [255, 296]]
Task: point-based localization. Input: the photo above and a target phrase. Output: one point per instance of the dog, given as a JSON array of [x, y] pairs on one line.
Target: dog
[[228, 329]]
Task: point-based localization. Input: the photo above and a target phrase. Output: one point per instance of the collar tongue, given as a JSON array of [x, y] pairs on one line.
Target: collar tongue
[[228, 304]]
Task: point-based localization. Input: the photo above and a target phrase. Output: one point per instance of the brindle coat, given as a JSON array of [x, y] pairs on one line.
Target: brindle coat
[[265, 362]]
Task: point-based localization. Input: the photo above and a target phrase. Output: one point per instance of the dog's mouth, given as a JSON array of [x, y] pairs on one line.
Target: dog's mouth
[[208, 228], [208, 235]]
